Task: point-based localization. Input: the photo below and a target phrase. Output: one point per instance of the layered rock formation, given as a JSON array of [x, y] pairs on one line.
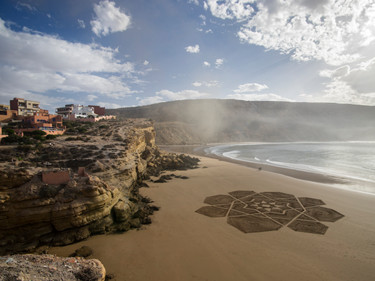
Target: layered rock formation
[[50, 268], [95, 185]]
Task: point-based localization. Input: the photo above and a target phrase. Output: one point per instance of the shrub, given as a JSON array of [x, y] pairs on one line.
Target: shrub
[[51, 137], [11, 139]]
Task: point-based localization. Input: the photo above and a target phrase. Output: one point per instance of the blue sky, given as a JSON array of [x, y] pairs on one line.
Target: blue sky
[[122, 53]]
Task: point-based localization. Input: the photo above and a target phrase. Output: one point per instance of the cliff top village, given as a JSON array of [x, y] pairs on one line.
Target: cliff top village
[[27, 116]]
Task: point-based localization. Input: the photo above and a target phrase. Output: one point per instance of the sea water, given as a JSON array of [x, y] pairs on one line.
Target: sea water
[[351, 160]]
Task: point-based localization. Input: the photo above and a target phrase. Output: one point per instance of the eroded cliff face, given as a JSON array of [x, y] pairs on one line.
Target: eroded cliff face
[[102, 197]]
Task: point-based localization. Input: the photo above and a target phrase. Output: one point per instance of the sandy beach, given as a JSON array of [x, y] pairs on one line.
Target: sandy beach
[[182, 244]]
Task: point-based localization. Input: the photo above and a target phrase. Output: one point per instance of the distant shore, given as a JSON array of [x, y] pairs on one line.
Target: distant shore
[[198, 150]]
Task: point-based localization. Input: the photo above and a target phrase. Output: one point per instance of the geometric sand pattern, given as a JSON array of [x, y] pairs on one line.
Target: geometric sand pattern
[[249, 211]]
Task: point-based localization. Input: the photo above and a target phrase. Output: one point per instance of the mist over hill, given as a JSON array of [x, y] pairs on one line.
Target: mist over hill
[[205, 121]]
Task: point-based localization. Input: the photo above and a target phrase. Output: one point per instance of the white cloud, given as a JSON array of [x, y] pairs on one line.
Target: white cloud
[[192, 49], [250, 87], [195, 2], [218, 63], [206, 63], [166, 95], [207, 84], [110, 105], [109, 19], [182, 95], [354, 84], [231, 9], [20, 6], [81, 23], [32, 63], [338, 72], [151, 100], [328, 30], [339, 91], [146, 62], [91, 97], [258, 97]]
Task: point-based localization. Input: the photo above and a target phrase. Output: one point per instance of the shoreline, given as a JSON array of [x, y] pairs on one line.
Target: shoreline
[[198, 150]]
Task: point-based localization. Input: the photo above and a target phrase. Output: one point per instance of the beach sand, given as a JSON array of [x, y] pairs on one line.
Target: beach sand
[[181, 244]]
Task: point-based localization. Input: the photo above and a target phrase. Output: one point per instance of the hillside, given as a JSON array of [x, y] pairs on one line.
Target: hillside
[[203, 121]]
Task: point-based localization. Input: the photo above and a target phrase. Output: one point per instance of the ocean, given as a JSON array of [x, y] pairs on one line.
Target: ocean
[[354, 161]]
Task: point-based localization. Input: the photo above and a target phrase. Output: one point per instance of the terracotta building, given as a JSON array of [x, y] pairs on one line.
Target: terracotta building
[[6, 114], [42, 120]]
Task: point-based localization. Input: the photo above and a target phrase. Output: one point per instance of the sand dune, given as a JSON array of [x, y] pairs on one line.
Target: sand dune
[[182, 244]]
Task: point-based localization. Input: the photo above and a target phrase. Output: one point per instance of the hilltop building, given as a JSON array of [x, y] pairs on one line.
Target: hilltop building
[[52, 124], [98, 110], [77, 112], [6, 114], [31, 117], [65, 111], [24, 107]]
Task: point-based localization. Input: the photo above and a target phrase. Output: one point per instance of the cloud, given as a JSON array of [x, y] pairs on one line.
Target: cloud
[[338, 72], [250, 87], [195, 2], [192, 49], [91, 97], [328, 30], [258, 97], [166, 95], [339, 91], [231, 9], [81, 23], [353, 84], [32, 63], [207, 84], [218, 63], [151, 100], [182, 95], [110, 105], [109, 19], [206, 63], [20, 6], [146, 62]]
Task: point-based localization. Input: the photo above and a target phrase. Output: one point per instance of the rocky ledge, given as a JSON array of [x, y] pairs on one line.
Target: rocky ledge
[[50, 268], [75, 186]]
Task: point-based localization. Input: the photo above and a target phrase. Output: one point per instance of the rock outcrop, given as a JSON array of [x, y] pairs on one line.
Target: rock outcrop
[[50, 268], [95, 190]]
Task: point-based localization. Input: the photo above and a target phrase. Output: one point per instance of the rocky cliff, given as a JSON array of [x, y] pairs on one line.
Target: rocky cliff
[[79, 185]]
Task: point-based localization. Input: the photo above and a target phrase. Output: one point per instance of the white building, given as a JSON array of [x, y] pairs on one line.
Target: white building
[[80, 111], [76, 111]]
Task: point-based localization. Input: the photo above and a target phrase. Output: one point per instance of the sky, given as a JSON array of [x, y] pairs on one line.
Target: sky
[[122, 53]]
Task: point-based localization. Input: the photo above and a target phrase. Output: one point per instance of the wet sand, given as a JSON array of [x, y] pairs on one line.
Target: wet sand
[[181, 244]]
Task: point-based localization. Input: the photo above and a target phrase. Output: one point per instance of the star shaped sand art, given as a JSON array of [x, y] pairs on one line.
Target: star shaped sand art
[[250, 211]]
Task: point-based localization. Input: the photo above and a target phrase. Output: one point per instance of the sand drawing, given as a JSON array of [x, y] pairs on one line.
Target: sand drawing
[[250, 211]]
